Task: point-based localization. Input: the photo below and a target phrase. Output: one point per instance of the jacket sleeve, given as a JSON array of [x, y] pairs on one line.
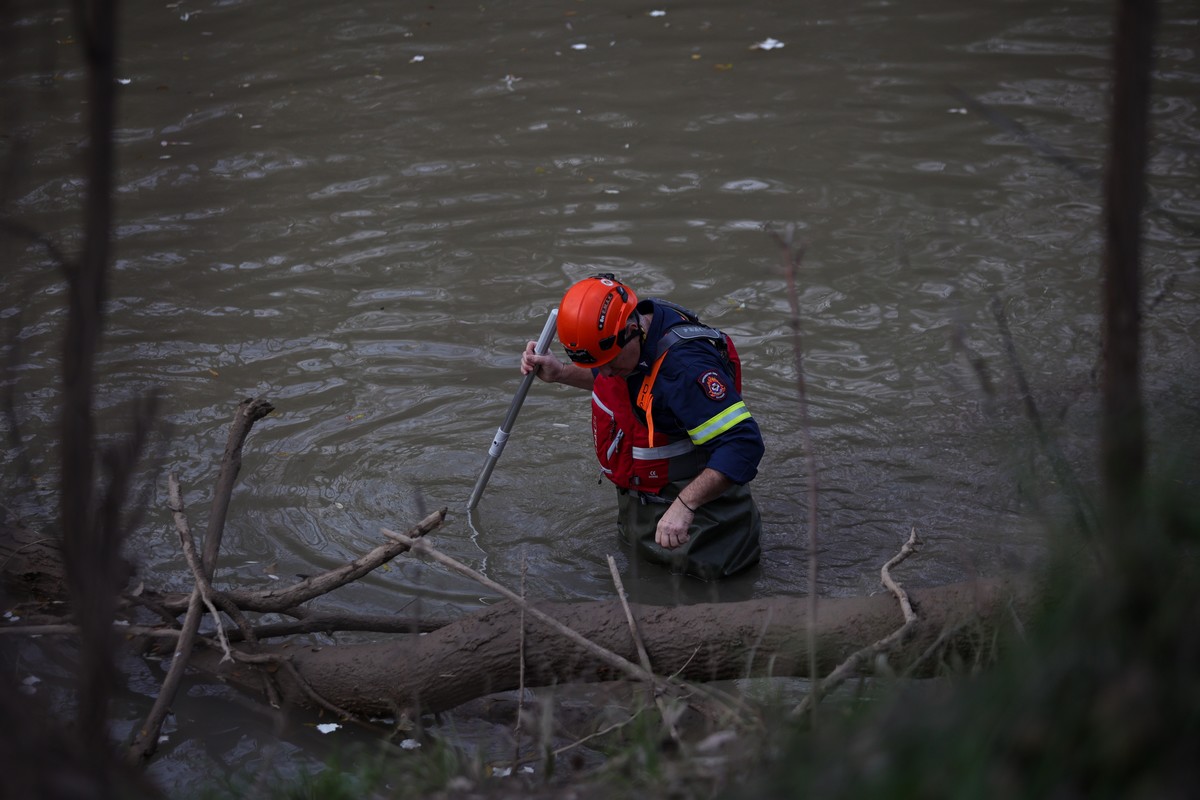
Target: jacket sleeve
[[695, 388]]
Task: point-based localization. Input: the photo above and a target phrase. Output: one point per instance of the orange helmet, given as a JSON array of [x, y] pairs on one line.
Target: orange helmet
[[592, 317]]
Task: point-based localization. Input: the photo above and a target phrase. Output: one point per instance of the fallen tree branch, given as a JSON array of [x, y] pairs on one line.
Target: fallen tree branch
[[622, 664], [145, 739], [885, 576], [853, 664], [643, 656], [343, 623], [285, 663], [249, 411], [175, 503], [471, 657], [286, 599], [618, 662], [474, 656]]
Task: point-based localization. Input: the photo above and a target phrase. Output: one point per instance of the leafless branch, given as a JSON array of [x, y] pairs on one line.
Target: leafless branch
[[1058, 462], [644, 657], [145, 738], [175, 503], [792, 256], [852, 664]]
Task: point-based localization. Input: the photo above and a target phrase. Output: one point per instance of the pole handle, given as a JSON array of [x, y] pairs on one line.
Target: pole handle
[[514, 408]]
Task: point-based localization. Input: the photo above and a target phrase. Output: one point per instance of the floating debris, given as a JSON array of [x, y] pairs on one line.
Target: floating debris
[[657, 13], [767, 44], [410, 744], [328, 727]]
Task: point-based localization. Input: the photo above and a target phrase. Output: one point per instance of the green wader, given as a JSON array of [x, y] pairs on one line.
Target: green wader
[[723, 537]]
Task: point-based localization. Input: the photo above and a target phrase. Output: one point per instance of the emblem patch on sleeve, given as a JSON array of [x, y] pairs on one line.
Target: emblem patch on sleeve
[[713, 386]]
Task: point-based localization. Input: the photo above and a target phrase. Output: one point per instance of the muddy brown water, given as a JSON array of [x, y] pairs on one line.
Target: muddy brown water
[[362, 211]]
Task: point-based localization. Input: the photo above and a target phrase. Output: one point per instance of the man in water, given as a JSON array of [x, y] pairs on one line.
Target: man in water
[[669, 424]]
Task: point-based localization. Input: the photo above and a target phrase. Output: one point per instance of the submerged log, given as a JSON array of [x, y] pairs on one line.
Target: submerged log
[[479, 654]]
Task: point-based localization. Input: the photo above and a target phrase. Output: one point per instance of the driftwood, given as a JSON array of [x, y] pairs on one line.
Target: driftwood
[[478, 654]]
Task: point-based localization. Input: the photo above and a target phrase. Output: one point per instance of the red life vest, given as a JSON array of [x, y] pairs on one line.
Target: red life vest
[[631, 454]]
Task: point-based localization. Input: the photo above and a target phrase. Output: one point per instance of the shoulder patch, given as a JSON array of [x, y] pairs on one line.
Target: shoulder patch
[[712, 385]]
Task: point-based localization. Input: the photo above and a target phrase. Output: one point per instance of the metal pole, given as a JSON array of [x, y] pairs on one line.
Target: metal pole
[[501, 438]]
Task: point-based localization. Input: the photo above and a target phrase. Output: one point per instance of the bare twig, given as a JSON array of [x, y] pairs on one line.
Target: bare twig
[[1006, 123], [793, 256], [616, 726], [762, 633], [978, 365], [8, 408], [284, 662], [22, 231], [643, 656], [59, 629], [331, 623], [249, 411], [521, 675], [1058, 462], [1122, 422], [885, 575], [247, 631], [175, 503], [617, 662], [145, 738], [286, 599], [852, 664], [91, 549], [144, 742]]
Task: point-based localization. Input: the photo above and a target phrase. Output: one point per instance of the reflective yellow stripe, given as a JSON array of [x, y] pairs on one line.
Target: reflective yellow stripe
[[720, 423]]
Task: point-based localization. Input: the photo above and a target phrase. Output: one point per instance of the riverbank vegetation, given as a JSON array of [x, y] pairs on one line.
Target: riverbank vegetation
[[1095, 697]]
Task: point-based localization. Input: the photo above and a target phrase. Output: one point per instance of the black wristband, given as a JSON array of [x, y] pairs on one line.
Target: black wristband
[[685, 505]]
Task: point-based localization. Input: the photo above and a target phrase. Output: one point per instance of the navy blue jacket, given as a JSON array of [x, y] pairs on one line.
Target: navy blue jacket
[[695, 397]]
